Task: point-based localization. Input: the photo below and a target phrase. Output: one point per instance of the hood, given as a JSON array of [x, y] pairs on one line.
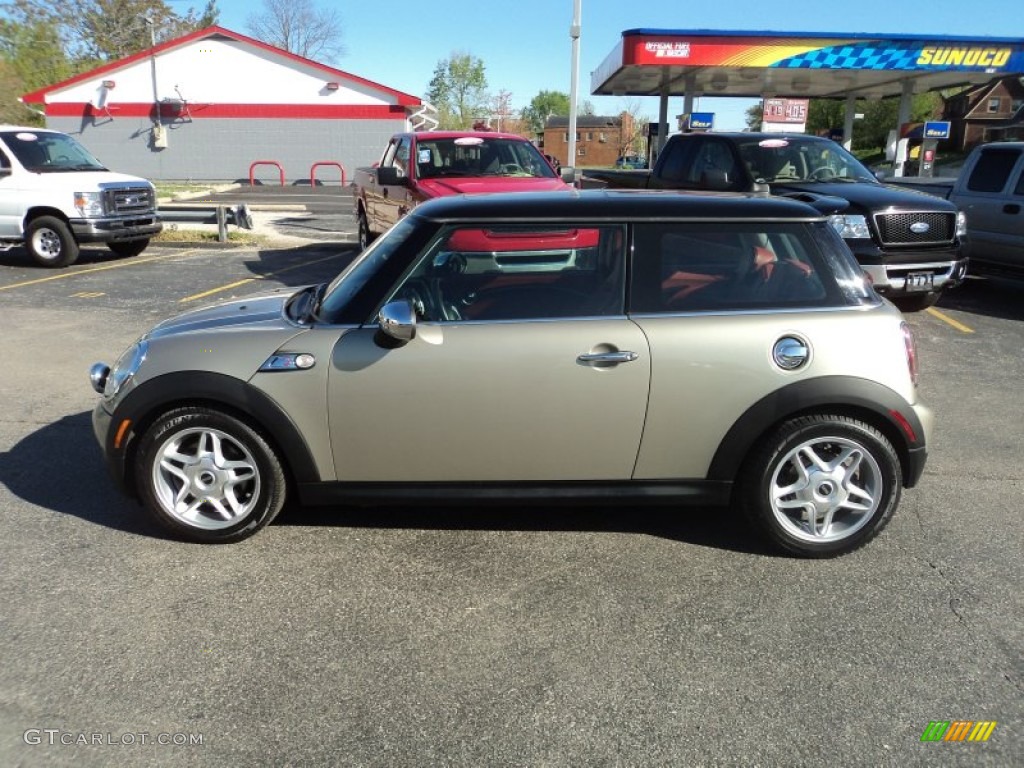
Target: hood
[[259, 312], [475, 185], [866, 195]]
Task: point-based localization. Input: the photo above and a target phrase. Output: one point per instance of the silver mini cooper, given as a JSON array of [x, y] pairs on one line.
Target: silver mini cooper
[[613, 347]]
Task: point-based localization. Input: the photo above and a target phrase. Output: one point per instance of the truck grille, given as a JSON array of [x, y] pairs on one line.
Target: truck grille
[[128, 201], [899, 228]]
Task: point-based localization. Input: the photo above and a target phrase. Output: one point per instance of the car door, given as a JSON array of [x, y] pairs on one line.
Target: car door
[[524, 366], [992, 199], [11, 199]]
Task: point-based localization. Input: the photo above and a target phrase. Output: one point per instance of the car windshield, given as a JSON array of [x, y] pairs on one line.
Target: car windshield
[[479, 156], [794, 159], [45, 152]]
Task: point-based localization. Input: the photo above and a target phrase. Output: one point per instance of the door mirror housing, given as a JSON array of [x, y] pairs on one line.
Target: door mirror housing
[[397, 320], [388, 176]]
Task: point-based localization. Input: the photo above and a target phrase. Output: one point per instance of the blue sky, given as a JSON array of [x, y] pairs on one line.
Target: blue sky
[[525, 44]]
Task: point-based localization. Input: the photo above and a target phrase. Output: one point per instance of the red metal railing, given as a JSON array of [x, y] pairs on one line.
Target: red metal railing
[[312, 171], [252, 170]]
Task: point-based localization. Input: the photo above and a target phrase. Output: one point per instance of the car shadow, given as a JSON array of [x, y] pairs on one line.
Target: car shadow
[[89, 255], [989, 296], [83, 488], [302, 265], [60, 468]]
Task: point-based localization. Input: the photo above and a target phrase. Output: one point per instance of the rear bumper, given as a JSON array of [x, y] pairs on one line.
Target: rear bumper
[[116, 229]]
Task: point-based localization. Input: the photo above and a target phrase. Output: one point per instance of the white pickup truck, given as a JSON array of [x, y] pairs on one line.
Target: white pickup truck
[[54, 196]]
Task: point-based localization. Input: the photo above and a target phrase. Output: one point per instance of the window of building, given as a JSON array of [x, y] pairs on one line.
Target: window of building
[[993, 104]]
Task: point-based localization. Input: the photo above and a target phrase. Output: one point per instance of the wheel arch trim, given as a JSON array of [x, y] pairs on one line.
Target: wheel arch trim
[[842, 395], [206, 389]]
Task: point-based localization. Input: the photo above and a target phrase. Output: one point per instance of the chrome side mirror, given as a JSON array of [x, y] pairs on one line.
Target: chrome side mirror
[[397, 320]]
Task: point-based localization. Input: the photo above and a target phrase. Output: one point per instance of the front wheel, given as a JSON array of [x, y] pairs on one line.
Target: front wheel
[[129, 247], [208, 477], [50, 242], [821, 485]]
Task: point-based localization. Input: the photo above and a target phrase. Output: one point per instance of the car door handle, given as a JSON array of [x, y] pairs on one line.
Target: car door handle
[[1011, 208], [607, 358]]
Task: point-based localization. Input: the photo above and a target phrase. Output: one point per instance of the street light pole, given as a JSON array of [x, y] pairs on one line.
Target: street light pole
[[574, 33]]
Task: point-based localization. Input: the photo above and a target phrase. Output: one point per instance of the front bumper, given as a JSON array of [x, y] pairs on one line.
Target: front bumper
[[111, 230], [891, 279]]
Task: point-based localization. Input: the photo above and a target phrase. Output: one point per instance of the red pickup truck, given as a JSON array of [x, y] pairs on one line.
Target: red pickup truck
[[420, 166]]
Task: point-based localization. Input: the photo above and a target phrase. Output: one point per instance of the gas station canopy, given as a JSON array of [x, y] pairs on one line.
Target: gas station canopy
[[660, 62]]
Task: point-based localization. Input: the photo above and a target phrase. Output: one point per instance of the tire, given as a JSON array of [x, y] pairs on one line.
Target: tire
[[208, 477], [365, 235], [129, 247], [915, 303], [50, 242], [804, 466]]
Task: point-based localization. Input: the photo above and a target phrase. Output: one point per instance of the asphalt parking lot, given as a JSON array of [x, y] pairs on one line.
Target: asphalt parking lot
[[529, 636]]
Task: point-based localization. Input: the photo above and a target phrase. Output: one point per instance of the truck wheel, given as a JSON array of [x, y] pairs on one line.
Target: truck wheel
[[50, 242], [365, 235], [129, 247], [915, 303], [208, 477], [821, 485]]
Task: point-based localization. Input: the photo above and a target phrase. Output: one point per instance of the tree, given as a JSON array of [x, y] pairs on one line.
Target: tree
[[458, 89], [754, 116], [501, 110], [634, 129], [299, 27], [544, 105], [103, 30]]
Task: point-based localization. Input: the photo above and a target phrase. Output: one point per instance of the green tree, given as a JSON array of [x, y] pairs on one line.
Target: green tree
[[754, 116], [544, 105], [458, 89]]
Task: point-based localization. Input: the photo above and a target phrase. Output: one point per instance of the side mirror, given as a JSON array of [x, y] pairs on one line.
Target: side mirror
[[567, 174], [389, 176], [397, 320]]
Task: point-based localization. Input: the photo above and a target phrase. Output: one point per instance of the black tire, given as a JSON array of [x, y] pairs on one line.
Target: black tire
[[365, 235], [129, 247], [915, 303], [839, 443], [50, 242], [208, 477]]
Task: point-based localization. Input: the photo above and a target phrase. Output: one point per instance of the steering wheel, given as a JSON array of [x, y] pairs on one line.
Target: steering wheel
[[512, 168], [824, 173]]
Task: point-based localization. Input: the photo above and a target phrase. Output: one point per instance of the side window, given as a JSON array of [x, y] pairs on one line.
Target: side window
[[992, 170], [714, 166], [1019, 189], [689, 267], [5, 161], [517, 273], [673, 165]]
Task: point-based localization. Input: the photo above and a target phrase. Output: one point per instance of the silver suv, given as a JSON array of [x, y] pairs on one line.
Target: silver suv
[[599, 346]]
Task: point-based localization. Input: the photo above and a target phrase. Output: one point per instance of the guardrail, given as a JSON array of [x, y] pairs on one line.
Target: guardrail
[[312, 171], [221, 215], [252, 170]]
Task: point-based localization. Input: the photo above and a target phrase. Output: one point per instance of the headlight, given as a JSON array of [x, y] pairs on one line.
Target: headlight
[[125, 367], [89, 204], [850, 227], [961, 223]]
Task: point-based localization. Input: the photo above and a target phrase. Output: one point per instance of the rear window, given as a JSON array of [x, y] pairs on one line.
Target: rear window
[[684, 267], [992, 170]]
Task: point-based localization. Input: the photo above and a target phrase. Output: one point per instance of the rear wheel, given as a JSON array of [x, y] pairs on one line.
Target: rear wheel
[[208, 477], [821, 485], [365, 236], [50, 242], [129, 247]]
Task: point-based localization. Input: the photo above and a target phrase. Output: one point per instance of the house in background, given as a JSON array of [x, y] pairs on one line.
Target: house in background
[[211, 103], [600, 141], [983, 113]]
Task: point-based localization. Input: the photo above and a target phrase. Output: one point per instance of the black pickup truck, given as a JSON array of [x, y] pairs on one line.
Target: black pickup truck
[[911, 244]]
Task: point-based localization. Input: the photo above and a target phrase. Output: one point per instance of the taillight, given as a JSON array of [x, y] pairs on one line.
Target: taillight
[[911, 346]]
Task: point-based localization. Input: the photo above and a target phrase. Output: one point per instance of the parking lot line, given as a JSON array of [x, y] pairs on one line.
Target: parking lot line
[[947, 319], [115, 265], [229, 286]]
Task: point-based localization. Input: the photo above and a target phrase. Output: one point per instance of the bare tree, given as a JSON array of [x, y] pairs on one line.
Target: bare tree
[[299, 27], [634, 128]]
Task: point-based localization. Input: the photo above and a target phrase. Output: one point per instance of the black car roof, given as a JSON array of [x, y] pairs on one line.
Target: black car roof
[[590, 204]]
